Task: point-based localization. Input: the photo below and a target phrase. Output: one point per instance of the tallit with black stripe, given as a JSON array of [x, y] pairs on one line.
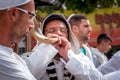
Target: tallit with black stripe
[[52, 73]]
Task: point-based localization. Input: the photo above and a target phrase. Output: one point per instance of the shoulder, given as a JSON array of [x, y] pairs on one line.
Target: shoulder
[[117, 54]]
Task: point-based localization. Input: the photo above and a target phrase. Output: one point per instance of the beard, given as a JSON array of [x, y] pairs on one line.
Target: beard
[[16, 34], [85, 38]]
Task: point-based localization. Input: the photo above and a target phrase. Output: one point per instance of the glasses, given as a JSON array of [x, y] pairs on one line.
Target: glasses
[[32, 15], [52, 30]]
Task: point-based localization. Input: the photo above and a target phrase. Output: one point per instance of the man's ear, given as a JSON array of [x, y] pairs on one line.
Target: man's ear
[[14, 14], [103, 42], [74, 28]]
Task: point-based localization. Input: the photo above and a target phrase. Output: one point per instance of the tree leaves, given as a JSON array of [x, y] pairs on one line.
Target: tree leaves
[[84, 6]]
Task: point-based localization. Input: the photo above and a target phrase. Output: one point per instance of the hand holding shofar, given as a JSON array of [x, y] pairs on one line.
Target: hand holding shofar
[[37, 34]]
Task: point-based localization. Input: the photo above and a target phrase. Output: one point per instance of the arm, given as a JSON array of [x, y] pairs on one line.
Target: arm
[[82, 68], [112, 76], [40, 58], [77, 64], [113, 64]]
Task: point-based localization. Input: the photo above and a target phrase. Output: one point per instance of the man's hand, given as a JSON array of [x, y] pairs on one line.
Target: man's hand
[[62, 45]]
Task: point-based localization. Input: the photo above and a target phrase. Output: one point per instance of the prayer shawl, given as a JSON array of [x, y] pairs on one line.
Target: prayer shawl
[[53, 75]]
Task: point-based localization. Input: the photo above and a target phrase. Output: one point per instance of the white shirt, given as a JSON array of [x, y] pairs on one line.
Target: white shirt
[[112, 76], [12, 67], [98, 57], [88, 51], [112, 65]]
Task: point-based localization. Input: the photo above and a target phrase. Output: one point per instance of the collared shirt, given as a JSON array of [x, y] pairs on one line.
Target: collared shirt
[[83, 51]]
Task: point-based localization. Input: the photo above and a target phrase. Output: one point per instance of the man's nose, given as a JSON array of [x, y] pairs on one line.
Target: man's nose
[[90, 29], [58, 32]]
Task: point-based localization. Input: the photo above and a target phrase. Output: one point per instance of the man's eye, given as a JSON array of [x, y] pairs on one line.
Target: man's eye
[[86, 25], [63, 30], [51, 30]]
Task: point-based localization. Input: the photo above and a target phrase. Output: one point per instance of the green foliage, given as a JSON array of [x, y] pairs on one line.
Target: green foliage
[[113, 51], [106, 3], [118, 1], [48, 9], [87, 6], [84, 6]]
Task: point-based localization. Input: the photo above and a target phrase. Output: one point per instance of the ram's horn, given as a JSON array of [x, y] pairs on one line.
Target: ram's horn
[[37, 34]]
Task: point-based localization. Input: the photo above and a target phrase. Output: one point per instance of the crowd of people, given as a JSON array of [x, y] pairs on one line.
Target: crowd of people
[[70, 58]]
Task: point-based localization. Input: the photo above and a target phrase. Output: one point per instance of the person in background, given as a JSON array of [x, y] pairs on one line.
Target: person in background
[[103, 46], [81, 28], [16, 19]]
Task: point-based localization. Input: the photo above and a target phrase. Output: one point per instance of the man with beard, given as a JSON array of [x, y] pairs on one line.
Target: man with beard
[[81, 28], [16, 19]]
